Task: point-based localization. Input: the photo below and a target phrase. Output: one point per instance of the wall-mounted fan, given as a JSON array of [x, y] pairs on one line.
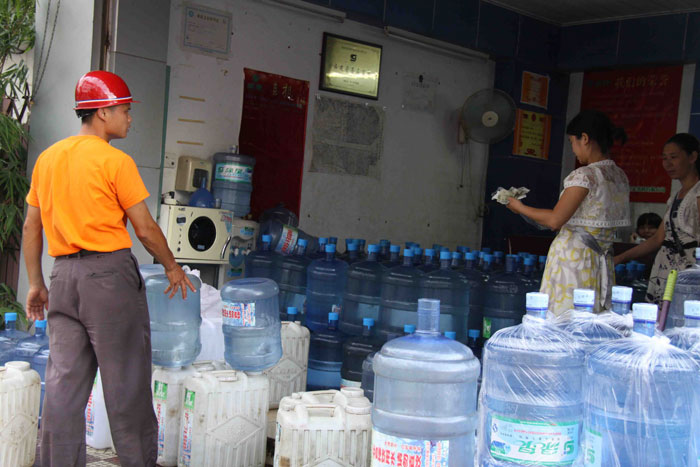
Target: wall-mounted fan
[[487, 116]]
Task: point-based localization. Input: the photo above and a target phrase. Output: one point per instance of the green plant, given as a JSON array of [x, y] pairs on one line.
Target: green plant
[[9, 304]]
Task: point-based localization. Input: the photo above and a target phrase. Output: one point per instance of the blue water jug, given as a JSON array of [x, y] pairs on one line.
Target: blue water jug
[[355, 350], [425, 386], [531, 395], [290, 275], [504, 299], [585, 326], [284, 237], [232, 181], [457, 260], [619, 316], [321, 253], [394, 258], [687, 288], [429, 262], [399, 302], [352, 255], [147, 270], [174, 322], [448, 286], [640, 395], [39, 362], [333, 241], [251, 324], [384, 247], [476, 281], [261, 263], [11, 333], [529, 277], [687, 336], [325, 357], [27, 347], [498, 260], [368, 377], [325, 287], [363, 293], [202, 198]]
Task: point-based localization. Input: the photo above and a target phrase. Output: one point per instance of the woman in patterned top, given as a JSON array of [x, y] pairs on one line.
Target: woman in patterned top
[[679, 237], [594, 202]]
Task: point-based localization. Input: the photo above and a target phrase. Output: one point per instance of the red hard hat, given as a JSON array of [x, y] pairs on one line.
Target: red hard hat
[[97, 89]]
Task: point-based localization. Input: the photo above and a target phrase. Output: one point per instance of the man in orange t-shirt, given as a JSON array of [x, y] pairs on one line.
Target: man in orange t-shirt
[[83, 191]]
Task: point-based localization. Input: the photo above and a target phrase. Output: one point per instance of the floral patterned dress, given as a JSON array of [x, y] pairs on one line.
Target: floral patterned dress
[[581, 254], [678, 255]]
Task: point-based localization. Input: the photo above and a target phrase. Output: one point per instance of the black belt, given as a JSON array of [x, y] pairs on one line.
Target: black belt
[[82, 253], [677, 247]]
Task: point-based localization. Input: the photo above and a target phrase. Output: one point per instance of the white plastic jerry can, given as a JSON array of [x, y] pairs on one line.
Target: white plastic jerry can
[[168, 393], [20, 393], [97, 432], [289, 375], [223, 420], [334, 434]]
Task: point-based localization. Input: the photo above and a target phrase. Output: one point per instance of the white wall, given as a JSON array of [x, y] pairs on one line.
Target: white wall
[[418, 196], [683, 121]]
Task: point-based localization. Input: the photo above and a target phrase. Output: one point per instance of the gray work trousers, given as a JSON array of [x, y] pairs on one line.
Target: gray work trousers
[[98, 317]]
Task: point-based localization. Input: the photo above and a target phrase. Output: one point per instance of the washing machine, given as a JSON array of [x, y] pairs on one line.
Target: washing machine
[[197, 235]]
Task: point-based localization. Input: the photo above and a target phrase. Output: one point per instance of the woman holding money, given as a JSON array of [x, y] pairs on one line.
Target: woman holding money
[[594, 202]]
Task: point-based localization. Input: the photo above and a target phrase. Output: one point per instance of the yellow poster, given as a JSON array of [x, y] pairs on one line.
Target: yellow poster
[[532, 134]]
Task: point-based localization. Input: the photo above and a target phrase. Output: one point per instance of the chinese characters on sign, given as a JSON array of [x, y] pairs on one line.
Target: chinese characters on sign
[[206, 31], [643, 101], [535, 89], [350, 66], [532, 134]]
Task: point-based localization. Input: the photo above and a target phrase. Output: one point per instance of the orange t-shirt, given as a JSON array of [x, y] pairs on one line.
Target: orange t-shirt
[[82, 186]]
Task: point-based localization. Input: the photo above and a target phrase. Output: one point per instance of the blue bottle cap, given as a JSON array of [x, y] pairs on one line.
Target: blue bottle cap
[[10, 316], [409, 328], [456, 255], [429, 252], [470, 256], [529, 261], [322, 240], [488, 258], [367, 322], [40, 323], [394, 248], [352, 246], [620, 268], [641, 267], [417, 251], [630, 267], [372, 248], [523, 254], [498, 254], [332, 316], [292, 310], [302, 242], [408, 252], [445, 255], [473, 333], [330, 248], [477, 253], [267, 239], [451, 335], [543, 259]]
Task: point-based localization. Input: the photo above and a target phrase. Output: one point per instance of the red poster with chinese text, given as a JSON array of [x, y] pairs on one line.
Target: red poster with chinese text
[[644, 101], [273, 129]]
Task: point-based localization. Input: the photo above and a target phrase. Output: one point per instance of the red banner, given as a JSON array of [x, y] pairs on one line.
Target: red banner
[[644, 101], [273, 129]]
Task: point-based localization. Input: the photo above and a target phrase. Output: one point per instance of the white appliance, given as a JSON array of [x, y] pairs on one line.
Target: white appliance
[[197, 235]]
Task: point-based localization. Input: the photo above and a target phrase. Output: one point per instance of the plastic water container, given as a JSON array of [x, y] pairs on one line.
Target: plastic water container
[[97, 431], [619, 316], [174, 322], [687, 336], [586, 327], [325, 286], [261, 263], [417, 256], [424, 410], [346, 420], [531, 396], [363, 293], [476, 282], [504, 299], [399, 302], [367, 383], [11, 333], [640, 396], [20, 389], [223, 420], [531, 282], [289, 375], [148, 270], [284, 237], [232, 181], [291, 278], [168, 386], [325, 357], [448, 286], [429, 262], [251, 324], [39, 362], [687, 288], [355, 350], [394, 258], [384, 247], [27, 347]]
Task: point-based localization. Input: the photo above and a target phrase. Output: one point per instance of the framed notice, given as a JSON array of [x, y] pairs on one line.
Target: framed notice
[[349, 66], [206, 31], [535, 89], [532, 134]]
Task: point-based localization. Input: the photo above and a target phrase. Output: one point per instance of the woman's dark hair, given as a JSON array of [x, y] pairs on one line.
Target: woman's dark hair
[[598, 127], [649, 218], [689, 144]]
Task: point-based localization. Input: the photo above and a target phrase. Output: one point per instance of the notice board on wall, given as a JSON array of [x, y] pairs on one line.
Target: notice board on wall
[[273, 130], [644, 101], [532, 134]]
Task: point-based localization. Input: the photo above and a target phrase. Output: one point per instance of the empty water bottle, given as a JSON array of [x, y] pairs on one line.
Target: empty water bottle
[[368, 377], [394, 259], [687, 288], [351, 254], [417, 256], [399, 296], [687, 336], [325, 287], [640, 399], [504, 299], [456, 260], [429, 263], [531, 402], [425, 387], [290, 275], [363, 293], [251, 324], [473, 342], [284, 237], [325, 357], [384, 246], [321, 253], [355, 350], [11, 333], [531, 282], [585, 326], [261, 263], [232, 181], [361, 242], [27, 347], [175, 322], [619, 316]]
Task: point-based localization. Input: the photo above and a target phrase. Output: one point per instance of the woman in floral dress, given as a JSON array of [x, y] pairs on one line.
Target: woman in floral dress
[[594, 202]]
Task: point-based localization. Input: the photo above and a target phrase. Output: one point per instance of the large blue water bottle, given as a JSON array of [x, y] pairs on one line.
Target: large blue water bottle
[[399, 303], [362, 294], [687, 336], [531, 282], [476, 281], [39, 362], [448, 286], [261, 263], [585, 326], [384, 246], [687, 288], [321, 253], [174, 322], [11, 333], [325, 287], [394, 258], [355, 350], [352, 254], [640, 396], [531, 395], [251, 324], [425, 386], [291, 278], [504, 299], [325, 357], [429, 262], [27, 347]]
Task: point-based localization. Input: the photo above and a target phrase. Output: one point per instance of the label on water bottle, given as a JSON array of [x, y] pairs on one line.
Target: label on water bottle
[[186, 448], [232, 172], [160, 396], [346, 383], [238, 314], [391, 451], [487, 328], [288, 240], [592, 448], [530, 441]]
